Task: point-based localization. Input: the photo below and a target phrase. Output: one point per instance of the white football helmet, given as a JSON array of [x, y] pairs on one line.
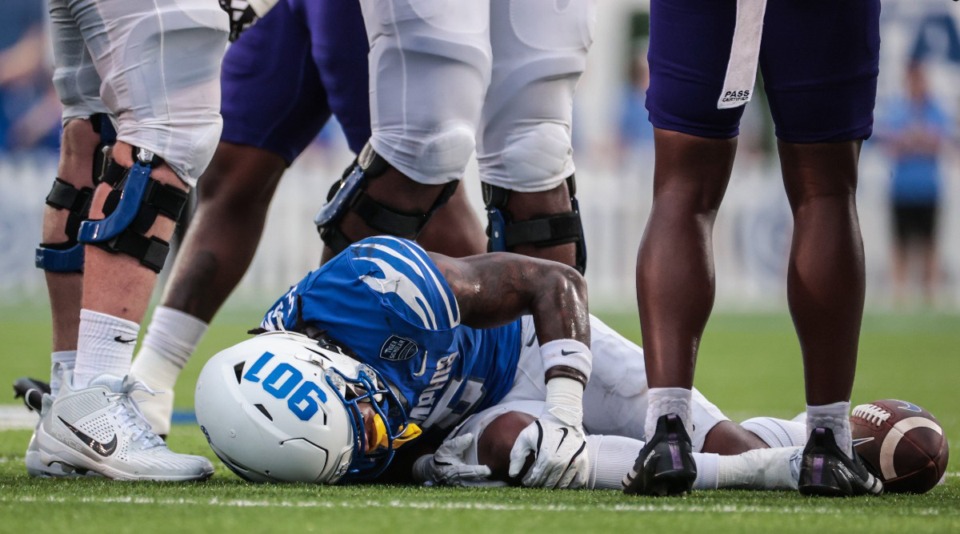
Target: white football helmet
[[282, 407]]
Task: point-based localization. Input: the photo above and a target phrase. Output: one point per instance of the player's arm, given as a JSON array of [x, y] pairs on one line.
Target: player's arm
[[493, 289], [497, 288]]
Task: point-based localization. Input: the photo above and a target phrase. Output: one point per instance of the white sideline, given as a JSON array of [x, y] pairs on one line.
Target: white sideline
[[17, 417], [430, 505]]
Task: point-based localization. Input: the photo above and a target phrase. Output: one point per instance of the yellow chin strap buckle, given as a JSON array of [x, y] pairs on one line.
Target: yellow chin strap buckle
[[410, 432]]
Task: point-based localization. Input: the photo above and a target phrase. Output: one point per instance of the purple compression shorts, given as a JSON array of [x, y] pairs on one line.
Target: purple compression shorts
[[285, 76], [819, 60]]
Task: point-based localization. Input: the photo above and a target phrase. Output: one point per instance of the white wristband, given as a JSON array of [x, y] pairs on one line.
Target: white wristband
[[569, 353]]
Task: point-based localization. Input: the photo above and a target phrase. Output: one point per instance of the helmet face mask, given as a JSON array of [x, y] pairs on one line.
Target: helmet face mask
[[366, 388], [282, 407]]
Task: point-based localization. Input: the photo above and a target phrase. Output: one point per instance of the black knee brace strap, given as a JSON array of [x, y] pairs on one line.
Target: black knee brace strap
[[504, 234], [379, 216], [63, 257], [158, 199]]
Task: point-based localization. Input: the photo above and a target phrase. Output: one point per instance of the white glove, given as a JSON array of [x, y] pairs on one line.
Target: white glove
[[446, 467], [244, 13], [556, 439]]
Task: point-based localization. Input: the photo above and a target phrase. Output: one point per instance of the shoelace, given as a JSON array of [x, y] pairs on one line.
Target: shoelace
[[131, 418]]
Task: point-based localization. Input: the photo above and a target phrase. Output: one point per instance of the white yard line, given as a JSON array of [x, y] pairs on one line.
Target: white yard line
[[17, 417], [480, 506]]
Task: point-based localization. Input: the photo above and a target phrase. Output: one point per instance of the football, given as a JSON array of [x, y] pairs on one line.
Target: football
[[901, 443]]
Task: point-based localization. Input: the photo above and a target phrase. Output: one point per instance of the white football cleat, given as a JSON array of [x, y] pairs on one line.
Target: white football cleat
[[36, 467], [99, 429]]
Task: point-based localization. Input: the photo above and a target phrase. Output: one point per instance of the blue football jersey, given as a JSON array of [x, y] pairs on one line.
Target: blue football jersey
[[386, 300]]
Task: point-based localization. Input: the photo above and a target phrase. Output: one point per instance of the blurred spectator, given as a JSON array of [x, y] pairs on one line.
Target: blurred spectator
[[914, 134], [634, 131], [29, 108]]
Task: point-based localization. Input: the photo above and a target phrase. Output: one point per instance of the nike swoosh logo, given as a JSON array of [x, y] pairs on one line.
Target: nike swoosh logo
[[423, 365], [533, 338], [103, 449], [861, 441], [564, 431], [119, 339], [567, 352]]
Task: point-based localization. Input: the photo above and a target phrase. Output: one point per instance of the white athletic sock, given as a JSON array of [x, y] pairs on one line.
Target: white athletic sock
[[761, 469], [171, 339], [836, 417], [665, 401], [612, 457], [60, 361], [105, 345], [778, 432]]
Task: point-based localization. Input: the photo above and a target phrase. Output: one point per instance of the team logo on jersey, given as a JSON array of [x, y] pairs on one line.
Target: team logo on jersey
[[398, 349]]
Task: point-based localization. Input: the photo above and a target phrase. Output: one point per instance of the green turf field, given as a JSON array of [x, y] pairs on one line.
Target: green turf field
[[749, 366]]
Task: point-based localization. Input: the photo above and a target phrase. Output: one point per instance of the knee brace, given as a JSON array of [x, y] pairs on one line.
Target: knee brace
[[504, 234], [67, 257], [349, 194], [131, 209]]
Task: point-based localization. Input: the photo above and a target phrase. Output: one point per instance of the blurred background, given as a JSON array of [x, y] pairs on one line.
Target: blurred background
[[911, 164]]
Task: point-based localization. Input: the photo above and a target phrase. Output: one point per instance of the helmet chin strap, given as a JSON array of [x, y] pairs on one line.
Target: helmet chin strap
[[410, 432]]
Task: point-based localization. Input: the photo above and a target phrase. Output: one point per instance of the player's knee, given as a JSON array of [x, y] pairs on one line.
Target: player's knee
[[138, 196], [436, 158], [538, 158], [496, 441]]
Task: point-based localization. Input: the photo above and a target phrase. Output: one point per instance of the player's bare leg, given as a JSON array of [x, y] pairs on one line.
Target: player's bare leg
[[825, 280], [825, 291], [65, 289], [233, 197], [675, 277], [454, 229], [675, 292], [116, 284]]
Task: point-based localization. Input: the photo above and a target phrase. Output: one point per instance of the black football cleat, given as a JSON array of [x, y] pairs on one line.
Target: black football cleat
[[665, 465], [31, 391], [826, 471]]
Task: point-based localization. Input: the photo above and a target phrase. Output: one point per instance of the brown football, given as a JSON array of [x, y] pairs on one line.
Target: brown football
[[901, 443]]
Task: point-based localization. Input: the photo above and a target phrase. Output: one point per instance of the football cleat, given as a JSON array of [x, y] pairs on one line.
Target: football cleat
[[31, 391], [665, 465], [825, 470], [99, 429], [35, 466]]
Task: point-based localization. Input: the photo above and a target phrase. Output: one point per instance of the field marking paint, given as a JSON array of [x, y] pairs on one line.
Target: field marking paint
[[454, 506], [16, 417]]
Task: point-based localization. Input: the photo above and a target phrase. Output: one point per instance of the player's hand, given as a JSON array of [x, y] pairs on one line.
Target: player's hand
[[560, 450], [446, 467], [244, 13]]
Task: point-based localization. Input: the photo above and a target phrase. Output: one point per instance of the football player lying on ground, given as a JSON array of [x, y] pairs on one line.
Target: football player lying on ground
[[402, 341]]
